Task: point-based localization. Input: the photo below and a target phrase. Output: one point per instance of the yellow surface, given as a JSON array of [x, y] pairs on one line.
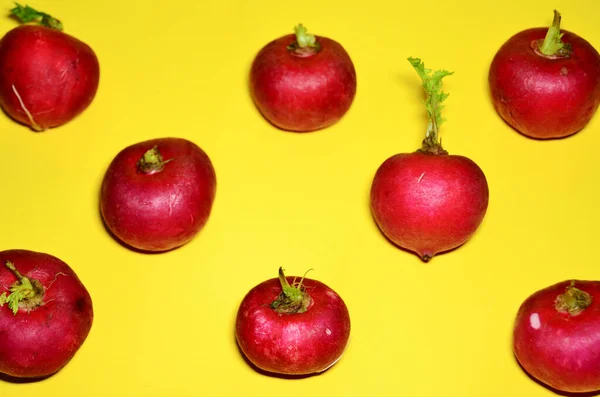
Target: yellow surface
[[164, 323]]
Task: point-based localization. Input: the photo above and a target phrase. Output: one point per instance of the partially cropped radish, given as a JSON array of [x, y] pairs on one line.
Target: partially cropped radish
[[429, 201], [45, 314], [546, 83], [291, 327], [303, 82], [47, 77], [556, 336]]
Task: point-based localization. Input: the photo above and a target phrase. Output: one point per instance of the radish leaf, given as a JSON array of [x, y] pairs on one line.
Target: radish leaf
[[432, 83], [27, 14]]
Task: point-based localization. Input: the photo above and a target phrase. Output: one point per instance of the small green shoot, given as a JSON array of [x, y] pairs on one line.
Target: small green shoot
[[306, 44], [152, 161], [552, 44], [23, 292], [573, 300], [293, 298], [26, 14], [303, 38], [432, 83]]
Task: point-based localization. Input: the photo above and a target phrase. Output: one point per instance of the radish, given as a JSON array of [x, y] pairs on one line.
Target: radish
[[47, 77], [157, 195], [544, 83], [45, 314], [292, 328], [557, 336], [429, 201], [302, 82]]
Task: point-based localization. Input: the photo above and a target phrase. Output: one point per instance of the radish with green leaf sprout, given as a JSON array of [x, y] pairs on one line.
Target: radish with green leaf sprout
[[47, 77], [546, 83], [556, 336], [158, 194], [292, 326], [302, 82], [429, 201], [45, 314]]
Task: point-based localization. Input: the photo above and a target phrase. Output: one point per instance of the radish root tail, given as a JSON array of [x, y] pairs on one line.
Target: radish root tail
[[34, 125]]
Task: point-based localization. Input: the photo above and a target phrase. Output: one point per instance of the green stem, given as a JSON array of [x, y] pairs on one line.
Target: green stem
[[432, 83], [24, 293], [552, 44], [293, 298], [26, 14], [303, 38], [152, 162], [573, 301], [306, 44], [13, 269]]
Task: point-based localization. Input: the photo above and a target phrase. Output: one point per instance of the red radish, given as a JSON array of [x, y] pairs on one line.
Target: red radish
[[303, 82], [47, 77], [429, 201], [292, 328], [45, 314], [557, 336], [158, 194], [544, 83]]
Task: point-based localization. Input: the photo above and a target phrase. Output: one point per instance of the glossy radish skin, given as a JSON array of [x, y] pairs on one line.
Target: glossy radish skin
[[557, 336], [41, 336], [47, 77], [302, 89], [545, 96], [429, 203], [293, 343], [163, 206]]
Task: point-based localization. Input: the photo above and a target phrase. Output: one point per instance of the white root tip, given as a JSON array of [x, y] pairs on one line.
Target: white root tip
[[32, 122]]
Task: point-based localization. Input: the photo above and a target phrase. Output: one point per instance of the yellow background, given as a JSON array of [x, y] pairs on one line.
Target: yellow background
[[164, 322]]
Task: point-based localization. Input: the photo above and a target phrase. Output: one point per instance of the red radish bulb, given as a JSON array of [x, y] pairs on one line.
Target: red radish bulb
[[292, 328], [544, 83], [556, 336], [429, 201], [45, 314], [302, 82], [47, 77], [158, 194]]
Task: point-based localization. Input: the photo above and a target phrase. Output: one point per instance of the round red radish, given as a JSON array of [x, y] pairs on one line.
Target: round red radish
[[303, 82], [544, 83], [45, 314], [47, 77], [429, 201], [557, 336], [158, 194], [292, 328]]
